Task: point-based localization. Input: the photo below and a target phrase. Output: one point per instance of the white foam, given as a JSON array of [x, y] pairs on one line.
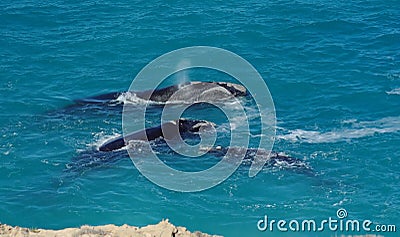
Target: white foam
[[394, 92], [131, 98], [100, 139], [358, 130]]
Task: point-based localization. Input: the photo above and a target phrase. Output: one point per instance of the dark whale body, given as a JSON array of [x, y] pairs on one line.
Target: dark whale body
[[187, 126], [273, 158], [164, 94], [111, 150], [167, 131]]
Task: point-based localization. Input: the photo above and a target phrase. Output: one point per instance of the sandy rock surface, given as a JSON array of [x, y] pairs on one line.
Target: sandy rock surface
[[162, 229]]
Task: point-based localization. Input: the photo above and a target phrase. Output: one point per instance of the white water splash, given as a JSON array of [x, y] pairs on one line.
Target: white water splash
[[132, 98], [358, 130], [100, 138], [394, 92]]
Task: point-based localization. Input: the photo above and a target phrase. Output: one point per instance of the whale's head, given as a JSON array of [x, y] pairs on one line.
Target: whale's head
[[234, 89], [190, 125]]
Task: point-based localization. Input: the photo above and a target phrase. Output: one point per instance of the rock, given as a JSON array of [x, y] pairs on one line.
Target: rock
[[162, 229]]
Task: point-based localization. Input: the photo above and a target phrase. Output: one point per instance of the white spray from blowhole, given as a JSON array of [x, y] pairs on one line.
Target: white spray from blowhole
[[182, 76]]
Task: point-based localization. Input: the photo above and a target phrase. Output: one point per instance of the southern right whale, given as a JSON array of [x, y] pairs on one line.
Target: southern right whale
[[190, 91], [188, 126], [168, 130], [110, 152], [273, 158]]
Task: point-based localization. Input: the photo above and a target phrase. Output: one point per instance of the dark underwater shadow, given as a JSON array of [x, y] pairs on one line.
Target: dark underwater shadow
[[93, 159]]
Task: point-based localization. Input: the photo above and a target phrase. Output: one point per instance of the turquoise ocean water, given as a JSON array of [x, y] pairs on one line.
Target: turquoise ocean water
[[333, 69]]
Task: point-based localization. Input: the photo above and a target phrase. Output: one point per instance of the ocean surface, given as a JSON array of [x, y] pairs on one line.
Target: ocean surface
[[332, 67]]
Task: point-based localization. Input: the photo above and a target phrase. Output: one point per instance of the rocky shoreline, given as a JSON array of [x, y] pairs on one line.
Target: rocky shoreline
[[162, 229]]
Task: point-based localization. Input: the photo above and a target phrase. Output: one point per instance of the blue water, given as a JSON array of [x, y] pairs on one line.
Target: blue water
[[333, 69]]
